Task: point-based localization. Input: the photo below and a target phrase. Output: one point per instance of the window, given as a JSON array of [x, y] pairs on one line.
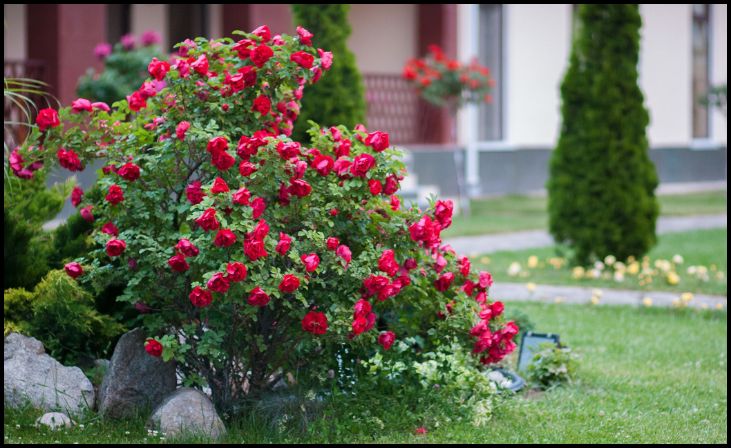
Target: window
[[491, 55], [186, 22], [118, 22], [701, 70]]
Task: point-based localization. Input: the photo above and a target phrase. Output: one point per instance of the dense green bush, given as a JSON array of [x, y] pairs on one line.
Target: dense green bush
[[62, 316], [602, 181], [27, 204], [338, 97]]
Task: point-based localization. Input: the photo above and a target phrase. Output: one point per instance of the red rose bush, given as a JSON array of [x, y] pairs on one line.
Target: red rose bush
[[247, 254]]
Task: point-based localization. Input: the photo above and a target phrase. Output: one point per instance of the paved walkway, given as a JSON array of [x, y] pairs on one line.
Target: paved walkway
[[578, 294], [475, 245]]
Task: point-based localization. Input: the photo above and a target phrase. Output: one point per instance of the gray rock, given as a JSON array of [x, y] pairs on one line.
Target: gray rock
[[134, 382], [187, 412], [32, 376], [54, 420]]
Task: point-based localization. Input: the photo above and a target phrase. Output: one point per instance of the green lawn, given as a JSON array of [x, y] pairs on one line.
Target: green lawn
[[645, 376], [698, 248], [514, 213]]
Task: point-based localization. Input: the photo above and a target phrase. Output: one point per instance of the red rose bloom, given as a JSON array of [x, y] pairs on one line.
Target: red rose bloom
[[262, 104], [387, 263], [443, 282], [73, 269], [391, 185], [194, 193], [129, 171], [69, 159], [464, 266], [136, 101], [110, 229], [443, 213], [178, 264], [115, 247], [76, 195], [289, 283], [343, 252], [260, 55], [85, 213], [254, 249], [485, 280], [258, 297], [263, 32], [375, 186], [362, 308], [343, 148], [322, 164], [207, 220], [299, 188], [361, 165], [373, 284], [481, 297], [219, 186], [326, 58], [218, 283], [285, 242], [311, 261], [303, 59], [217, 144], [497, 308], [315, 322], [377, 140], [81, 105], [386, 339], [258, 205], [305, 36], [359, 325], [222, 160], [153, 348], [200, 65], [224, 238], [241, 196], [181, 129], [115, 195], [200, 297], [47, 118], [236, 271], [246, 168], [158, 69], [186, 248], [388, 291], [332, 243]]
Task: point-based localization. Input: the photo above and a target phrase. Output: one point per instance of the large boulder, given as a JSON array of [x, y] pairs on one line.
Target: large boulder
[[32, 376], [187, 412], [134, 382]]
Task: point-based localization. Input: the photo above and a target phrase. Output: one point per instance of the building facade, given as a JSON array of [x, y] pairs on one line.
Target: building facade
[[502, 147]]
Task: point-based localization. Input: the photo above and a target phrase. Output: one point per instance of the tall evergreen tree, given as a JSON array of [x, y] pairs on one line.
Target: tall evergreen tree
[[602, 181], [338, 97]]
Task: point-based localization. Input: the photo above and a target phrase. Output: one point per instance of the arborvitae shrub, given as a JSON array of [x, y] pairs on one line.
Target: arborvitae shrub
[[602, 181], [337, 99]]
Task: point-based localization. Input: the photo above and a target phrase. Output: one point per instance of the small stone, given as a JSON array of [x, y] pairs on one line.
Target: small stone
[[54, 420], [186, 411]]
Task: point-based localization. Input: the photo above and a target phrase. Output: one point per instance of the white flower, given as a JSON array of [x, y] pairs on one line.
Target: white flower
[[677, 259], [514, 269], [609, 260]]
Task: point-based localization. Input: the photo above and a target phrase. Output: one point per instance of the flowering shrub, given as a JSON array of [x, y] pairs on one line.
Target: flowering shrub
[[443, 81], [125, 67], [552, 366], [250, 255]]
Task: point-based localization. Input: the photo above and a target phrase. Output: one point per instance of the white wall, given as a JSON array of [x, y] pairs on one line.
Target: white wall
[[14, 36], [666, 73], [147, 17], [719, 63], [215, 21], [536, 52], [383, 37]]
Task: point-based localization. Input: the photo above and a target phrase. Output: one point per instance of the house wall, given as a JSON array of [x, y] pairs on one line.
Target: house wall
[[383, 38], [15, 44]]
